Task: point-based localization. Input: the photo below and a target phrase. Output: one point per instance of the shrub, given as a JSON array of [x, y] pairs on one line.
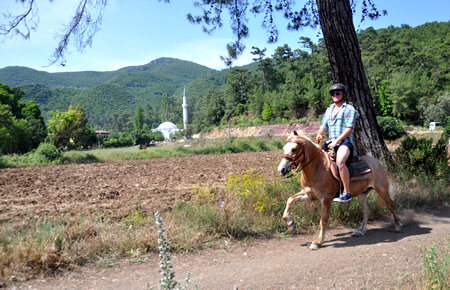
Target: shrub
[[390, 127], [255, 192], [267, 113], [79, 159], [446, 133], [419, 156], [242, 145], [48, 152], [257, 122], [261, 145], [3, 162], [122, 141], [277, 144]]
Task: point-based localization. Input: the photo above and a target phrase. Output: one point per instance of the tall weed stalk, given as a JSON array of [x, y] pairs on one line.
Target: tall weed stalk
[[168, 280]]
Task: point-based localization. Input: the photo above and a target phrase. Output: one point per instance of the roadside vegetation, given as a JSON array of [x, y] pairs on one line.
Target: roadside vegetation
[[436, 265]]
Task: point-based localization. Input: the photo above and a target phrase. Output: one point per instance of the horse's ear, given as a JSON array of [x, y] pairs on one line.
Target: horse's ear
[[295, 133]]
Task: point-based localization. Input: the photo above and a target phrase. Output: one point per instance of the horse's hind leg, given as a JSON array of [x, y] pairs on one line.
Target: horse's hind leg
[[383, 191], [287, 217], [362, 200]]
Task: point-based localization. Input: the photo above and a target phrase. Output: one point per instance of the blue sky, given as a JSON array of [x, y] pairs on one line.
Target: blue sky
[[135, 32]]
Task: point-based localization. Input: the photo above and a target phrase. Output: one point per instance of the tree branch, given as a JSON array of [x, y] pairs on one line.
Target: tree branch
[[16, 21], [82, 28]]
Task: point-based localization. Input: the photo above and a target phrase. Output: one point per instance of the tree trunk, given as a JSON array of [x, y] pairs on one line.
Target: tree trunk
[[336, 20]]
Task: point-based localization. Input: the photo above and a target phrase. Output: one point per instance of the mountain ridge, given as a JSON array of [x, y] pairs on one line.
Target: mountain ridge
[[129, 86], [14, 76]]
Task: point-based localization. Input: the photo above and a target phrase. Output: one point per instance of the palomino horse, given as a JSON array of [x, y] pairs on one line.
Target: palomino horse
[[318, 183]]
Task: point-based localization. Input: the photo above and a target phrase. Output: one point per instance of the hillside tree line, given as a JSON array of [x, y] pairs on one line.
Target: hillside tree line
[[407, 71]]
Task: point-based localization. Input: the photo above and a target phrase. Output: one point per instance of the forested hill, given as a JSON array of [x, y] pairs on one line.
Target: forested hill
[[16, 76], [106, 95], [172, 69]]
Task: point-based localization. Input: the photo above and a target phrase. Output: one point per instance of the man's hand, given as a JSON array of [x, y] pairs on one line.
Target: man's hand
[[319, 138], [332, 144]]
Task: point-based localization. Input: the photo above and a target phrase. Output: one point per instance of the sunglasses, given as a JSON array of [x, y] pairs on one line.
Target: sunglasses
[[337, 93]]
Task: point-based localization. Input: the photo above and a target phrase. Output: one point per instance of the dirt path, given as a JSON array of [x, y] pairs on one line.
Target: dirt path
[[381, 259]]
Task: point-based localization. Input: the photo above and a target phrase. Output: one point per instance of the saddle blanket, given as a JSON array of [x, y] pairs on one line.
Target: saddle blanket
[[357, 168]]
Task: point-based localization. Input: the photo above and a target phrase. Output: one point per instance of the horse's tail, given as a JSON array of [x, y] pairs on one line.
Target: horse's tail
[[381, 185]]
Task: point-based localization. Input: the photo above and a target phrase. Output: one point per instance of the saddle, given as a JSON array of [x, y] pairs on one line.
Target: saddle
[[357, 167]]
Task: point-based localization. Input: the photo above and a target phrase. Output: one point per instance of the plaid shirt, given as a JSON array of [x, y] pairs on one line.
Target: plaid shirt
[[345, 118]]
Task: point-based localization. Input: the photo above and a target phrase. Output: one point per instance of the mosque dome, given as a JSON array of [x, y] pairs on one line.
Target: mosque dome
[[167, 128], [167, 125]]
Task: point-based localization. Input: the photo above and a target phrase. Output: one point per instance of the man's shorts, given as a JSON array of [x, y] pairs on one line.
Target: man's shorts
[[349, 145]]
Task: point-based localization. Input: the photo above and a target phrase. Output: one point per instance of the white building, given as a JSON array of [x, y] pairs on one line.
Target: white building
[[166, 129]]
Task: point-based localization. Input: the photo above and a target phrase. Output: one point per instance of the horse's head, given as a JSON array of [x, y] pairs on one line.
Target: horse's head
[[293, 152]]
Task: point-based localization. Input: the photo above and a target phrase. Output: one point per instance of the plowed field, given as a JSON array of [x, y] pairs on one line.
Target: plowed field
[[115, 188]]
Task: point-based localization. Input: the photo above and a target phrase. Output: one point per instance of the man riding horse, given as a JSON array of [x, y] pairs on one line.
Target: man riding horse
[[339, 121]]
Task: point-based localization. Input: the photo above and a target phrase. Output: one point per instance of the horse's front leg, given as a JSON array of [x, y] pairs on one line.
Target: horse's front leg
[[287, 217], [318, 242]]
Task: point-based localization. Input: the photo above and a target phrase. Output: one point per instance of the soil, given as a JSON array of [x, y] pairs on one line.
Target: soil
[[380, 259], [116, 188]]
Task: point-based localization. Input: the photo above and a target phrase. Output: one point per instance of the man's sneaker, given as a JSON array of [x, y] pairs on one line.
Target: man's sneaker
[[345, 197]]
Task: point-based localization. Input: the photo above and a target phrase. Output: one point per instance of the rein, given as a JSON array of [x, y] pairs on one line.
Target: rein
[[293, 159]]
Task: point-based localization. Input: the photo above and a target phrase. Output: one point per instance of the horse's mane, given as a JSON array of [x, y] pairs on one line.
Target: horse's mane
[[298, 137]]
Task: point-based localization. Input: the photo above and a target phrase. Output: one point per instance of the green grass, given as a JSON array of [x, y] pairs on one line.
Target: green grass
[[204, 147]]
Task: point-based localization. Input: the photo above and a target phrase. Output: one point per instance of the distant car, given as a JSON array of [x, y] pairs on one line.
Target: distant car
[[433, 125]]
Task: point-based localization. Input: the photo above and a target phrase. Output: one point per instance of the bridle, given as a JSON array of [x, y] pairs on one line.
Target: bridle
[[295, 157]]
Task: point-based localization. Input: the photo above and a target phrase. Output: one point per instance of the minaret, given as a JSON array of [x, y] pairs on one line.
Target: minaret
[[185, 109]]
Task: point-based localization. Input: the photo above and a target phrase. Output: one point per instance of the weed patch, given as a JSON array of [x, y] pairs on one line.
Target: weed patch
[[436, 266]]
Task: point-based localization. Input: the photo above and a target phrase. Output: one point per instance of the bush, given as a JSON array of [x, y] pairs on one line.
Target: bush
[[256, 193], [48, 152], [277, 144], [446, 133], [261, 145], [242, 145], [257, 122], [390, 127], [122, 141], [419, 156], [2, 162]]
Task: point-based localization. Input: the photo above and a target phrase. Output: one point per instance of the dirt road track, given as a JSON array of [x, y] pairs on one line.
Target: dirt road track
[[380, 260]]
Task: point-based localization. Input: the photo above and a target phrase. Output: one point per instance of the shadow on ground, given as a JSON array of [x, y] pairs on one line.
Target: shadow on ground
[[386, 234]]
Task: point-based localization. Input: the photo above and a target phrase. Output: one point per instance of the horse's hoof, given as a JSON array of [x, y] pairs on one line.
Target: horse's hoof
[[291, 226], [358, 233], [398, 227], [314, 246]]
